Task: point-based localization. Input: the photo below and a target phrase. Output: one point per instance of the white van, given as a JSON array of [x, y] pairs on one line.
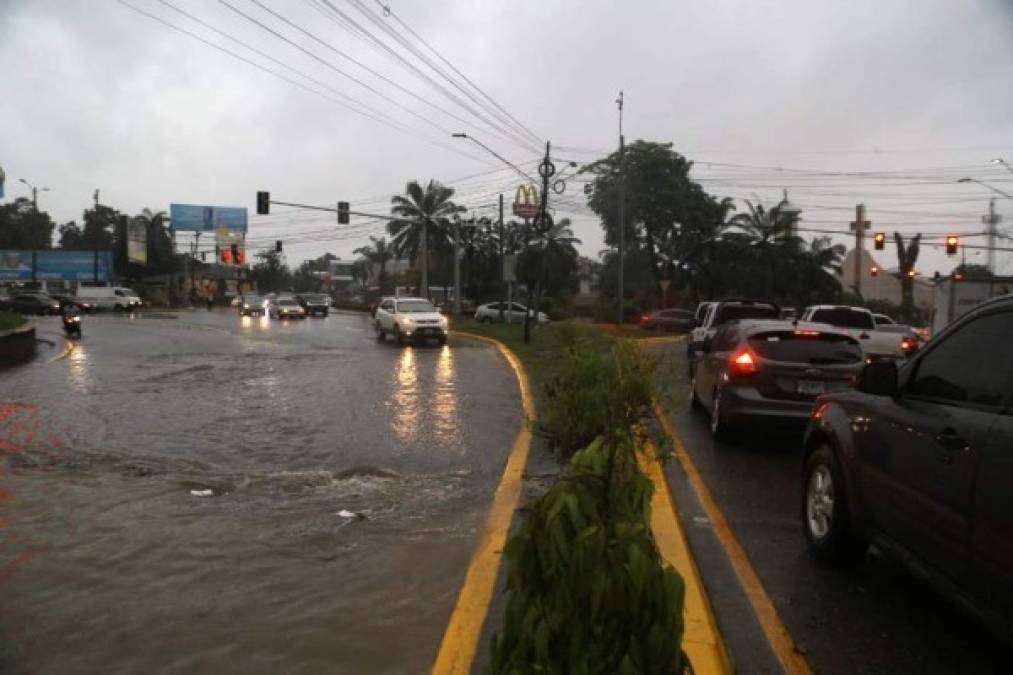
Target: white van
[[110, 297]]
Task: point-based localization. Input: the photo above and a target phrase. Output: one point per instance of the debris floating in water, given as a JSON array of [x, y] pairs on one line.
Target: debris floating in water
[[203, 493], [345, 513]]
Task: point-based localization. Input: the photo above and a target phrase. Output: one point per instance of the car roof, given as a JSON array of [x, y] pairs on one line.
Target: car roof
[[839, 307], [753, 326], [404, 299], [748, 301]]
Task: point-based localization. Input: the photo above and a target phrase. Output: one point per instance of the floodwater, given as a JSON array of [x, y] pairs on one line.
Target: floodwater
[[210, 494]]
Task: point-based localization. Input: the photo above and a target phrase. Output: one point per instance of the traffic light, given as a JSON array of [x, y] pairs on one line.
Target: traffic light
[[342, 213], [234, 249], [952, 242], [873, 270], [880, 239], [240, 256], [277, 246], [263, 203], [226, 256]]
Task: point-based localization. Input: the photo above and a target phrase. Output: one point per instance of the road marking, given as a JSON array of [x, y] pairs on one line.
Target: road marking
[[68, 347], [460, 640], [780, 640], [701, 638]]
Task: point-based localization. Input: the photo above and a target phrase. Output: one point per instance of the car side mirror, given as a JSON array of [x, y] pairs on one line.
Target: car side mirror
[[879, 378]]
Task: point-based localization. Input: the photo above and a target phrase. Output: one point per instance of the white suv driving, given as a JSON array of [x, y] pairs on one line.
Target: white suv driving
[[410, 319]]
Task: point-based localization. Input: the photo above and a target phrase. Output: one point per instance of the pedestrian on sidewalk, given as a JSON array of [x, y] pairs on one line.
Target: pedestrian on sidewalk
[[211, 302]]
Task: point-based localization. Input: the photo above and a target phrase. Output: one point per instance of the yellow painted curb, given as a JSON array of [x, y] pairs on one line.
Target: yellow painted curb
[[702, 640], [460, 640], [780, 640]]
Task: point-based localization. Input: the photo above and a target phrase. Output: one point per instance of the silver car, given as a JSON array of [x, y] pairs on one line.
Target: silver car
[[764, 370], [285, 308]]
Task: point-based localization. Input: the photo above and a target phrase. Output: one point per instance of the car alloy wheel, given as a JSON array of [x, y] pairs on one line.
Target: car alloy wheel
[[819, 503], [721, 430], [694, 400]]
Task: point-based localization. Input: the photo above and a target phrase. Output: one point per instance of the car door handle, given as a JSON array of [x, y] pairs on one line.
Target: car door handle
[[951, 441]]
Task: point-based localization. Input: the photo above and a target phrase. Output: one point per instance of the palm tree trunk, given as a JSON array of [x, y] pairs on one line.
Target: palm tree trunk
[[424, 290]]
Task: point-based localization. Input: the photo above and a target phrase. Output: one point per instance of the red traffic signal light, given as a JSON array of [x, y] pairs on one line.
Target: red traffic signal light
[[226, 256], [873, 271], [952, 242], [880, 239], [240, 258]]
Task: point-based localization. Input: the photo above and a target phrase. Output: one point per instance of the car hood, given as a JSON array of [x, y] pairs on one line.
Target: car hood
[[421, 316]]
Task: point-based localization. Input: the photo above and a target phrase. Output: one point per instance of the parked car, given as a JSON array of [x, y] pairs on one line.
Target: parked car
[[512, 313], [675, 320], [719, 313], [65, 300], [285, 307], [410, 319], [251, 305], [116, 298], [917, 462], [770, 370], [315, 303], [31, 302], [877, 344], [883, 320]]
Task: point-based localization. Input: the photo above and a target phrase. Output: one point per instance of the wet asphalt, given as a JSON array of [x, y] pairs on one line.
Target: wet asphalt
[[873, 618], [197, 492]]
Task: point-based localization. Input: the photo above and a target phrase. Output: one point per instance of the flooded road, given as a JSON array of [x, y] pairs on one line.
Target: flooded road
[[214, 494]]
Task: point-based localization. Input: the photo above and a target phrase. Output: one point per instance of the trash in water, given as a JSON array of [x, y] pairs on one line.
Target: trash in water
[[345, 513], [203, 493]]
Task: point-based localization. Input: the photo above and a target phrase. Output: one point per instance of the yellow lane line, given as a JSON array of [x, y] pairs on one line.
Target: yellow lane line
[[781, 642], [460, 640], [701, 639], [68, 347]]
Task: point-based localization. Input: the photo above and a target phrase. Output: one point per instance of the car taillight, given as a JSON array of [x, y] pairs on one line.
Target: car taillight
[[908, 344], [743, 363], [645, 318]]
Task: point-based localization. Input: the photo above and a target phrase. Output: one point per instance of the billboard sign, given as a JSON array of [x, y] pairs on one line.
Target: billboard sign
[[56, 265], [526, 203], [199, 218], [137, 241]]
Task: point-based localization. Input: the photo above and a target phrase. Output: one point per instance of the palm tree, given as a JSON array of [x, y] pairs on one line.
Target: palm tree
[[379, 253], [827, 255], [767, 225], [906, 258], [421, 218]]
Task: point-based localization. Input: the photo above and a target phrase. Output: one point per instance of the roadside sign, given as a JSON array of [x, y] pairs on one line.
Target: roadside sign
[[526, 202], [200, 218]]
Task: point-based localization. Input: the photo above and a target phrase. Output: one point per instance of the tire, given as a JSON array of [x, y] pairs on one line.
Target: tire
[[442, 341], [485, 319], [380, 334], [694, 400], [721, 429], [118, 308], [826, 519], [398, 337], [690, 358]]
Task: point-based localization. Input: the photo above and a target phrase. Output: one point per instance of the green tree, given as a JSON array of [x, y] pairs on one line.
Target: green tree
[[309, 275], [765, 226], [664, 208], [907, 256], [22, 227], [271, 274], [421, 220], [548, 264], [378, 252]]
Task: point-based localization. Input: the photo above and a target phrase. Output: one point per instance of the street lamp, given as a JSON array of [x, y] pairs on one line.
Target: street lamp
[[986, 185], [492, 152], [1000, 160], [35, 193]]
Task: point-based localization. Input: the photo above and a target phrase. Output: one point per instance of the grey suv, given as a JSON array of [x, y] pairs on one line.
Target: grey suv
[[919, 462]]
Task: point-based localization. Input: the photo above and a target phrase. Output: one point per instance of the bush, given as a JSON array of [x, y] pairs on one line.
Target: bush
[[596, 387], [588, 592]]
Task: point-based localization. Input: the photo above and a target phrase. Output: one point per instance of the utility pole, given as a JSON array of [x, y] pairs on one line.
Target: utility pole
[[543, 223], [502, 265], [457, 266], [622, 205], [991, 219], [859, 226]]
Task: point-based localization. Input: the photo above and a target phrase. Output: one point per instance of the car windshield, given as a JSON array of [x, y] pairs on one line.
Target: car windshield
[[313, 297], [845, 318], [739, 312], [287, 302], [806, 347], [252, 300], [415, 307]]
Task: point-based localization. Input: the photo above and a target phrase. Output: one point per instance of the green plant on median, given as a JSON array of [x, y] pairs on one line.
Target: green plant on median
[[596, 386], [11, 320], [587, 590]]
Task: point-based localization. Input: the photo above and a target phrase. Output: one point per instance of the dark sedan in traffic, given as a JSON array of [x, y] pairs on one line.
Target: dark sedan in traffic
[[919, 462], [674, 320], [33, 302]]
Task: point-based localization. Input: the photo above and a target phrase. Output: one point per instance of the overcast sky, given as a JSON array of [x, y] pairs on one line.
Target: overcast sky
[[762, 95]]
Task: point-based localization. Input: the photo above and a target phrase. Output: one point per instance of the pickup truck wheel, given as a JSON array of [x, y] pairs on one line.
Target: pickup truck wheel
[[398, 336], [826, 519], [694, 400], [721, 429], [379, 331]]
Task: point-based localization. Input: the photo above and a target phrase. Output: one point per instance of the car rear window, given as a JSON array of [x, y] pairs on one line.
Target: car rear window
[[415, 307], [738, 312], [846, 318], [806, 347]]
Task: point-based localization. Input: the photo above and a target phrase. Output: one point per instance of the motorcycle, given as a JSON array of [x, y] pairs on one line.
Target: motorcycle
[[72, 325]]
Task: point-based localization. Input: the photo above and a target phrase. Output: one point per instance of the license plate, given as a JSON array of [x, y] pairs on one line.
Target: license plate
[[811, 387]]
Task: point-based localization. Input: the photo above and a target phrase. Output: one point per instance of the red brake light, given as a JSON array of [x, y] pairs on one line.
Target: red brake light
[[807, 333], [743, 363]]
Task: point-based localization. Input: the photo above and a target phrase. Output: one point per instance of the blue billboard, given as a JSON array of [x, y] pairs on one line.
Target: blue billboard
[[199, 218], [56, 265]]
